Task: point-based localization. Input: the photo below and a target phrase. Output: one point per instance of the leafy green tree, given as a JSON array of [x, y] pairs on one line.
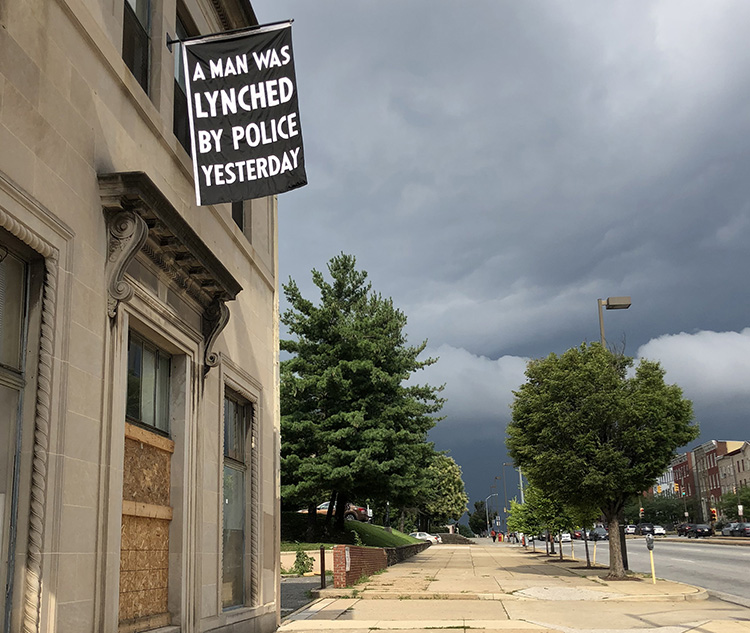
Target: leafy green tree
[[465, 530], [445, 500], [662, 510], [478, 518], [730, 501], [587, 433], [351, 425]]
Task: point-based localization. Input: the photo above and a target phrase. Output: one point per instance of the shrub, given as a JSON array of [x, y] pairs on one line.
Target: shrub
[[303, 563]]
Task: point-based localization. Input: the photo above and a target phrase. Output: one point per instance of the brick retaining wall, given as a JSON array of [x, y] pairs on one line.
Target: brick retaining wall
[[365, 561]]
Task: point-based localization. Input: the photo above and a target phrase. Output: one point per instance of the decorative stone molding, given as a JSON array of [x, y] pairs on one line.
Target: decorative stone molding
[[33, 577], [33, 581], [215, 319], [141, 219], [127, 235]]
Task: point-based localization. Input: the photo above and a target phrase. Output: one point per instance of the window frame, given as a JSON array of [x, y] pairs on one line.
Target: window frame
[[238, 459], [15, 379], [137, 36], [180, 122]]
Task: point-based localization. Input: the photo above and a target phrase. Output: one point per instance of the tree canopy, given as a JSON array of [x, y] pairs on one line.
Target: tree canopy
[[446, 498], [352, 423], [480, 517], [585, 432]]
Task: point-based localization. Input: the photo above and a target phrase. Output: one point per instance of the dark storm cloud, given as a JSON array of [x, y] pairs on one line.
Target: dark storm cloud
[[498, 166]]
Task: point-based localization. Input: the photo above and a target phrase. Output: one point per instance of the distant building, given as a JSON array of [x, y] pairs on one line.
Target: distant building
[[708, 482], [139, 422], [683, 475], [734, 469], [664, 485]]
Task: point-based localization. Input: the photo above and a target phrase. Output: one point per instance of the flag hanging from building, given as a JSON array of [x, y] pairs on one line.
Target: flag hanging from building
[[244, 115]]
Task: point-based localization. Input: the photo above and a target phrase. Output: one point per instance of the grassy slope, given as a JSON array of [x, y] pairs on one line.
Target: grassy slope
[[294, 525]]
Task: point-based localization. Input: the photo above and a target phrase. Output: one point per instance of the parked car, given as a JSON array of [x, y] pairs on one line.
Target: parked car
[[598, 534], [578, 533], [563, 538], [424, 536], [659, 531], [700, 529], [630, 529], [645, 528], [353, 512], [683, 529], [742, 529], [729, 528]]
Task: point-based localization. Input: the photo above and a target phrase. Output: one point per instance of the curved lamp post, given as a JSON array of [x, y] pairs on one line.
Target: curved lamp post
[[486, 512], [610, 303]]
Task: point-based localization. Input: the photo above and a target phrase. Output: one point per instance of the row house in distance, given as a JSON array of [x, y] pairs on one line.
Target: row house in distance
[[139, 426], [707, 480], [734, 469], [683, 477]]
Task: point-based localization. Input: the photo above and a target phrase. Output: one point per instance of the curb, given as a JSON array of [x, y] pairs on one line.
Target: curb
[[687, 596]]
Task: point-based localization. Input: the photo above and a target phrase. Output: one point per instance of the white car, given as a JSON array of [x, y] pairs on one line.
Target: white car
[[630, 529], [563, 538], [424, 536], [659, 531]]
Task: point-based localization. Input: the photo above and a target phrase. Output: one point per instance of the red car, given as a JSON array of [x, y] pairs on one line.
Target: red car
[[353, 512]]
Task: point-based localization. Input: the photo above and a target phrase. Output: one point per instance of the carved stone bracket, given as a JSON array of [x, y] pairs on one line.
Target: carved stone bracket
[[140, 219], [215, 319], [127, 235]]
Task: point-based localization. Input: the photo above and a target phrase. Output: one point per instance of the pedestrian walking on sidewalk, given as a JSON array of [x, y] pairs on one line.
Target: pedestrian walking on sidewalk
[[493, 534]]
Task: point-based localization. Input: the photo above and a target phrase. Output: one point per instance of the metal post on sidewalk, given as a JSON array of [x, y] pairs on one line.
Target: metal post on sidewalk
[[322, 567]]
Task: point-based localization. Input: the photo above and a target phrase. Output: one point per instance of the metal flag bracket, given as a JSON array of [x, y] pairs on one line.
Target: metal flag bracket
[[244, 29]]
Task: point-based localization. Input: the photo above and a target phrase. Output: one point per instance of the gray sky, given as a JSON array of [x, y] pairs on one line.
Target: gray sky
[[498, 166]]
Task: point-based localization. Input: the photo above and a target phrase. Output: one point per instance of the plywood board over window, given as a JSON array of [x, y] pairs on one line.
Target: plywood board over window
[[144, 544]]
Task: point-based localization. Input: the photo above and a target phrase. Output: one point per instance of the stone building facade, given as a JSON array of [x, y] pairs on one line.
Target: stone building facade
[[139, 426]]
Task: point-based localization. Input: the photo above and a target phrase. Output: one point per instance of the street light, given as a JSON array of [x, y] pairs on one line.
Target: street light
[[520, 478], [486, 512], [610, 303]]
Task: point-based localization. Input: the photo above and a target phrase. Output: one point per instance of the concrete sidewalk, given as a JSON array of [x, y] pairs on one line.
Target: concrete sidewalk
[[502, 587]]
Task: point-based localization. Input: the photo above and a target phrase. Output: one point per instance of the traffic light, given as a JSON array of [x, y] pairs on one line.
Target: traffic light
[[676, 487], [658, 489], [713, 514], [640, 514]]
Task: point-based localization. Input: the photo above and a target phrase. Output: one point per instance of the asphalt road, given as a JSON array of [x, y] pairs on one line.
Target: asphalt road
[[722, 569], [295, 592]]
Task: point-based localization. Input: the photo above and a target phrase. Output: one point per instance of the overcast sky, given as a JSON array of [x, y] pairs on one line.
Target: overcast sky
[[497, 166]]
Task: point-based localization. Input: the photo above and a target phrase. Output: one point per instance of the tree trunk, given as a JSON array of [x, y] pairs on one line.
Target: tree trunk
[[312, 518], [341, 503], [586, 547], [616, 568], [401, 521], [331, 506]]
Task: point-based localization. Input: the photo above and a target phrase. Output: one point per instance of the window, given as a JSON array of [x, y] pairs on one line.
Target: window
[[237, 421], [148, 385], [14, 278], [238, 214], [180, 123], [136, 39]]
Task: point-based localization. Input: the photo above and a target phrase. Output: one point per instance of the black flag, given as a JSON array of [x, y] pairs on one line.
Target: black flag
[[244, 115]]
